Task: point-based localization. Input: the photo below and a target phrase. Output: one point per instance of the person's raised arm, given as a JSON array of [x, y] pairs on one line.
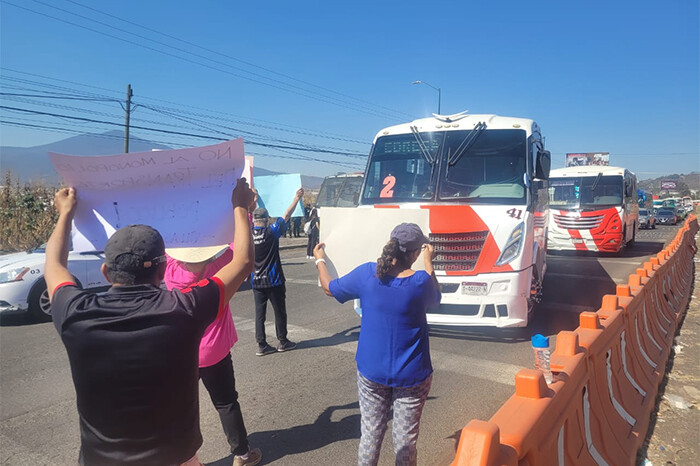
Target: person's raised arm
[[428, 252], [56, 269], [323, 276], [236, 271], [290, 209]]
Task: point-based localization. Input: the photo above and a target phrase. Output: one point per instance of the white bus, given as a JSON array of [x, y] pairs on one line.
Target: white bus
[[592, 208], [482, 179]]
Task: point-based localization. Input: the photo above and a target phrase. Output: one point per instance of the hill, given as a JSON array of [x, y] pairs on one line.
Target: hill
[[33, 164], [686, 184]]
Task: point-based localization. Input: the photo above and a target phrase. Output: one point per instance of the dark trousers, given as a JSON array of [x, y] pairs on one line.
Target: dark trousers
[[277, 296], [313, 241], [220, 382]]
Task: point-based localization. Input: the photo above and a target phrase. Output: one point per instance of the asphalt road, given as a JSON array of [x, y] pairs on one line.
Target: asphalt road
[[301, 407]]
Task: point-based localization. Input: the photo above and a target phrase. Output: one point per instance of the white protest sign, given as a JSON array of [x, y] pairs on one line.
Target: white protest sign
[[185, 194], [354, 236]]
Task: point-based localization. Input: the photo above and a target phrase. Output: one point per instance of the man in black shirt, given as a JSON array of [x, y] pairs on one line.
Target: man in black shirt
[[268, 278], [133, 351]]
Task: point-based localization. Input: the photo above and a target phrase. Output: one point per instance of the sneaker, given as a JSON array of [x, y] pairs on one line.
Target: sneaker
[[286, 346], [263, 350], [253, 457]]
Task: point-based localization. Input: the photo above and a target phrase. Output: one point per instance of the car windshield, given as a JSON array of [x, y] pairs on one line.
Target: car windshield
[[665, 212], [643, 212], [481, 166], [585, 193]]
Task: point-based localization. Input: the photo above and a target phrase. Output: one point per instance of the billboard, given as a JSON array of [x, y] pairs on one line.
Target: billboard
[[668, 184], [587, 158]]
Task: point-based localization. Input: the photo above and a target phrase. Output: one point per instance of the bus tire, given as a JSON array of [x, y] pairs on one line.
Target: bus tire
[[630, 243]]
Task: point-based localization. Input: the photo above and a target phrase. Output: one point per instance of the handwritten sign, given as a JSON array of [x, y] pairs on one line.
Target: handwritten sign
[[276, 192], [185, 194]]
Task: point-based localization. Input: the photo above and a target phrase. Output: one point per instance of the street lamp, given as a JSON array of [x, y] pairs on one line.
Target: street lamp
[[436, 88]]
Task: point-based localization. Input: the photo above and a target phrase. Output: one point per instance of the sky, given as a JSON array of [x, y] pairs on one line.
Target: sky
[[308, 84]]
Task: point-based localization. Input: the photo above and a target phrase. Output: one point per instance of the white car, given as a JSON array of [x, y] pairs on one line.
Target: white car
[[22, 284]]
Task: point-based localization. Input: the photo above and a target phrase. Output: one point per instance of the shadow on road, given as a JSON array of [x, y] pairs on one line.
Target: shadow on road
[[16, 320], [344, 336], [276, 444]]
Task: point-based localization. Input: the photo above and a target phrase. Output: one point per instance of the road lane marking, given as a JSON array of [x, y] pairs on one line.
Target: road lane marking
[[596, 259], [303, 281], [584, 277], [566, 307], [492, 371]]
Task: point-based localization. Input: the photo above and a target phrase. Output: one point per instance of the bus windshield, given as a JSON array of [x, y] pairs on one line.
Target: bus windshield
[[585, 193], [473, 166]]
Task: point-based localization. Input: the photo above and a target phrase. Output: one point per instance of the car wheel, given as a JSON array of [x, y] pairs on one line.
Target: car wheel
[[39, 304]]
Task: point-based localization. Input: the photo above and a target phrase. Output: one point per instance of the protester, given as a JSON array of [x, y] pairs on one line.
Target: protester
[[185, 268], [393, 353], [313, 233], [133, 351], [296, 222], [268, 278]]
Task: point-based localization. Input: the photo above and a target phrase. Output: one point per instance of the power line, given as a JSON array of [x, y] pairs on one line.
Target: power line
[[54, 129], [179, 133], [226, 117], [304, 92], [233, 58]]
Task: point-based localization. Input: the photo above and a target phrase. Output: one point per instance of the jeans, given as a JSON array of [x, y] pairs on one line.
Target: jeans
[[220, 382], [313, 241], [277, 296], [376, 401]]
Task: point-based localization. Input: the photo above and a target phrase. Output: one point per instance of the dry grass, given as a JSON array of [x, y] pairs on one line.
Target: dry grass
[[27, 216]]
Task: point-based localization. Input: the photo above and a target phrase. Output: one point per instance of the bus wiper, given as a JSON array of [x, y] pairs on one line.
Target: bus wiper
[[597, 180], [467, 143], [421, 145]]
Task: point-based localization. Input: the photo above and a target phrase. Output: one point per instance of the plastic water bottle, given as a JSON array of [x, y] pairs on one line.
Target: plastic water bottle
[[540, 344]]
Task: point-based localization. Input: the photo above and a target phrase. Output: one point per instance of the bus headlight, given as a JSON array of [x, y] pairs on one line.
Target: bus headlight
[[513, 246]]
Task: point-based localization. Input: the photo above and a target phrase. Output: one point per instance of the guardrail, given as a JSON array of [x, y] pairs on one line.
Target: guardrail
[[606, 376]]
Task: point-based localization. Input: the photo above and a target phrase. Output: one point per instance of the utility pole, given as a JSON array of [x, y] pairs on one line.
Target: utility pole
[[129, 94]]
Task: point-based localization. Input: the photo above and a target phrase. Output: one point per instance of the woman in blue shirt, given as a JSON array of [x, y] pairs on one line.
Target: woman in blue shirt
[[393, 353]]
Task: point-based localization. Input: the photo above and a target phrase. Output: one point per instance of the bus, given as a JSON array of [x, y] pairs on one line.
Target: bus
[[482, 179], [342, 190], [592, 209]]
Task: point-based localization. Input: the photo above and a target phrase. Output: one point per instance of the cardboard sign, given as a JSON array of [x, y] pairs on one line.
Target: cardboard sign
[[356, 236], [185, 193], [276, 193]]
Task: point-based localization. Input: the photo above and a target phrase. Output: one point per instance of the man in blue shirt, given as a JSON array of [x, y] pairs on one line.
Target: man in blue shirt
[[268, 278]]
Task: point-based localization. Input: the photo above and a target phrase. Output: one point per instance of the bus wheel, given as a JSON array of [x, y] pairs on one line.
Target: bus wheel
[[630, 243]]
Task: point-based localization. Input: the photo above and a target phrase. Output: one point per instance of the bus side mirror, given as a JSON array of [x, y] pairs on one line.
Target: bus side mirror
[[544, 162]]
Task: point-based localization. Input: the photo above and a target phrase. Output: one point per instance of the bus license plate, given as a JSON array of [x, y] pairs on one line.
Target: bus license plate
[[577, 240], [476, 288]]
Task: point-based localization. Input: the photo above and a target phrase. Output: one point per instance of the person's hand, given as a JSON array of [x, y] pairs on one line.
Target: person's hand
[[300, 193], [319, 253], [253, 204], [428, 252], [242, 195], [65, 201]]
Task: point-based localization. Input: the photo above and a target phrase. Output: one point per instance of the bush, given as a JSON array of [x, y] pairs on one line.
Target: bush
[[27, 216]]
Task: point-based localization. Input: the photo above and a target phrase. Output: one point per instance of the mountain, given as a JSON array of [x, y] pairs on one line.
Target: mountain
[[33, 164], [685, 184]]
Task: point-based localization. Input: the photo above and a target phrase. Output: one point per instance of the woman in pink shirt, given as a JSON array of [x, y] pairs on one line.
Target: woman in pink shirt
[[185, 267]]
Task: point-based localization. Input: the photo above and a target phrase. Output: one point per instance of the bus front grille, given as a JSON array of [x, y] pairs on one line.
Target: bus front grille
[[578, 223], [457, 251]]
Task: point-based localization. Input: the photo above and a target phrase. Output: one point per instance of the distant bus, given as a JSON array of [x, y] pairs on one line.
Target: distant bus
[[340, 190], [592, 208]]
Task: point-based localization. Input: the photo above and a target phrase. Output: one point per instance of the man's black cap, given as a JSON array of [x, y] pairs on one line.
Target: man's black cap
[[134, 248]]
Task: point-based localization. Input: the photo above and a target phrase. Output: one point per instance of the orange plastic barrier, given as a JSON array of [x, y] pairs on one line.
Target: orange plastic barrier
[[606, 376]]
